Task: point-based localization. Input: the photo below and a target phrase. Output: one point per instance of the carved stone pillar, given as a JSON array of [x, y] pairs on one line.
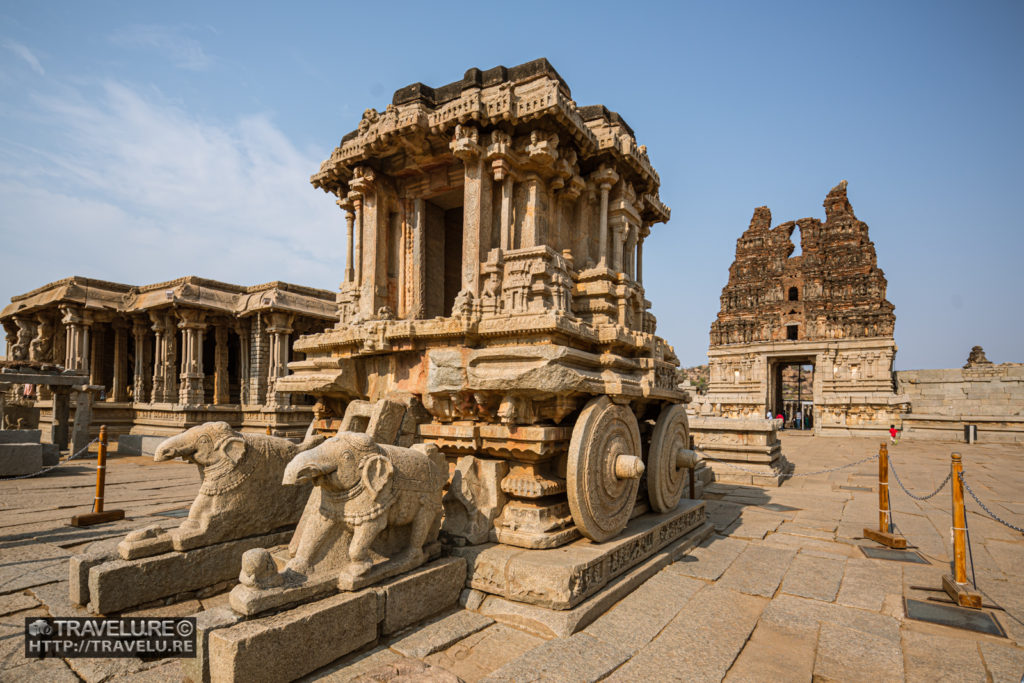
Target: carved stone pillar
[[160, 333], [533, 221], [170, 366], [417, 303], [350, 218], [242, 330], [631, 252], [618, 233], [503, 174], [371, 225], [119, 388], [221, 387], [142, 352], [41, 346], [279, 329], [192, 325], [645, 230], [357, 239], [76, 357], [605, 178], [476, 206], [95, 346]]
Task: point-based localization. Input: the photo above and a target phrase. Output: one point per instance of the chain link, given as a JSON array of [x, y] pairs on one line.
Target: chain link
[[985, 508], [801, 474], [922, 498], [51, 467]]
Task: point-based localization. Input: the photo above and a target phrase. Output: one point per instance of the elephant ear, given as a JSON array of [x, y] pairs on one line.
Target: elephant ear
[[234, 449], [377, 473]]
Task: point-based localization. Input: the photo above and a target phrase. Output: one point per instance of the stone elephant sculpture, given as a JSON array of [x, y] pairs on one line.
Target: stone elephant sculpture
[[375, 511], [241, 493]]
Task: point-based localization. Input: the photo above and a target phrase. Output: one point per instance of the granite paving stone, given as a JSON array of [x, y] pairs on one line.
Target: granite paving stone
[[848, 654], [814, 577], [476, 656], [929, 657], [441, 633], [1004, 663], [774, 653], [641, 615], [867, 582], [758, 570], [580, 657], [710, 559], [685, 652]]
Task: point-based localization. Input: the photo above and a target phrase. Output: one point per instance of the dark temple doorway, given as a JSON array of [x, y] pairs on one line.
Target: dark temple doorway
[[791, 392]]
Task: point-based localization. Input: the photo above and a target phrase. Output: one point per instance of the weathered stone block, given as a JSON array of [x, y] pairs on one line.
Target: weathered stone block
[[418, 595], [561, 578], [118, 585], [20, 458], [291, 644], [20, 435], [138, 444], [197, 669]]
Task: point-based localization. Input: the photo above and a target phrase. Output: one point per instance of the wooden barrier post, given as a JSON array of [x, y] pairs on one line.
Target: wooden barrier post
[[268, 430], [98, 516], [956, 585], [884, 535]]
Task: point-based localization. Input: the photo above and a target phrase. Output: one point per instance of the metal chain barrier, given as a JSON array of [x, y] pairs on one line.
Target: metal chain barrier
[[985, 507], [801, 474], [52, 467], [922, 498]]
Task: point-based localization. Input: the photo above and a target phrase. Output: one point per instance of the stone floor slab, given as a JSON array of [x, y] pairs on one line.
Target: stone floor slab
[[701, 643], [711, 558], [475, 657], [758, 570], [774, 653], [580, 657], [929, 657], [847, 654], [1004, 663], [814, 577], [641, 615], [441, 634], [867, 582]]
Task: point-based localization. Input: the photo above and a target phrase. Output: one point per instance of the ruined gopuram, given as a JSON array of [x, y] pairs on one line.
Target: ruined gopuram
[[163, 357], [494, 273], [825, 308]]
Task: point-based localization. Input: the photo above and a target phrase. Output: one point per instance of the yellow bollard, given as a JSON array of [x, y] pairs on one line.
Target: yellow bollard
[[98, 516], [884, 533], [268, 430], [956, 585]]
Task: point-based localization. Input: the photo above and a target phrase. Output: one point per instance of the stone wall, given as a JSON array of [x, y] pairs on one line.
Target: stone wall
[[943, 401]]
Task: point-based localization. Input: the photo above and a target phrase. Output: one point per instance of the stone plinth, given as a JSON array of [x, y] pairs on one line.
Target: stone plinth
[[138, 444], [562, 578], [20, 436], [728, 445], [17, 459], [119, 584], [292, 643]]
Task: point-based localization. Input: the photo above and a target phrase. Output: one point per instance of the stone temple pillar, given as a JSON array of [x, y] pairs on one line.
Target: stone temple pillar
[[242, 330], [350, 218], [221, 393], [140, 334], [605, 178], [160, 332], [119, 388], [192, 324], [75, 349], [618, 231], [279, 329]]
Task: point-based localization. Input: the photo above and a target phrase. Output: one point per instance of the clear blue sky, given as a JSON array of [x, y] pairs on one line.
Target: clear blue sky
[[140, 141]]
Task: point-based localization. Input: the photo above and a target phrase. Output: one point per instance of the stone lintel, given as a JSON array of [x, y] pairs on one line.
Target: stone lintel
[[561, 578]]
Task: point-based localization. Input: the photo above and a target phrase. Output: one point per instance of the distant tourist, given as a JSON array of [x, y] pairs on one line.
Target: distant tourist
[[894, 434], [768, 415], [800, 419], [782, 420]]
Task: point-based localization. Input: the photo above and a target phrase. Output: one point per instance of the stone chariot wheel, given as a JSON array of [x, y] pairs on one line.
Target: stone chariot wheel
[[668, 458], [604, 468]]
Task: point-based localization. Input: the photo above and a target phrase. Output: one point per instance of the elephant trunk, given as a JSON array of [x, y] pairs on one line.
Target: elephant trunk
[[179, 446], [307, 466]]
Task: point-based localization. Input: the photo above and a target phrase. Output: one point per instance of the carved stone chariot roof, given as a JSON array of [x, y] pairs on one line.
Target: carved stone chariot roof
[[414, 131]]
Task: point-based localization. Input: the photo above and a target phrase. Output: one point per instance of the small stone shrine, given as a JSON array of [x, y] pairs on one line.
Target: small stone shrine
[[825, 308]]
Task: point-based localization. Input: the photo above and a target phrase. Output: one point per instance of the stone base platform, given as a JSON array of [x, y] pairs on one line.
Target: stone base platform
[[562, 578], [292, 643], [108, 584], [740, 451]]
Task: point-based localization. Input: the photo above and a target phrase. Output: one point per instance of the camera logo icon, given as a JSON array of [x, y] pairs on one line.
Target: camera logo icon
[[40, 627]]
